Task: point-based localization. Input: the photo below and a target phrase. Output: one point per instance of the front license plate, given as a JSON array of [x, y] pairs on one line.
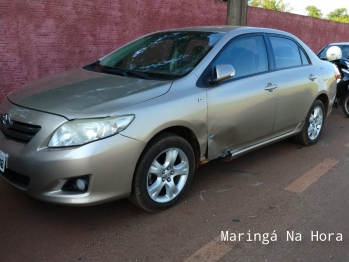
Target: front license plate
[[2, 161]]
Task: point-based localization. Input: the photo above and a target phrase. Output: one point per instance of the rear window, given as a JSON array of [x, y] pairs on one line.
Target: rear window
[[286, 52]]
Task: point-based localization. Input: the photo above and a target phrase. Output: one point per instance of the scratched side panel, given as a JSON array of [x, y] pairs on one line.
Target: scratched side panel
[[241, 113]]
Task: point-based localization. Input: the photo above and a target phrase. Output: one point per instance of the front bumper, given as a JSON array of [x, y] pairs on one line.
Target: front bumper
[[41, 172]]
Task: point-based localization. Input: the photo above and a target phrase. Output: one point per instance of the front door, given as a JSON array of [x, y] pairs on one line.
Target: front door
[[241, 111]]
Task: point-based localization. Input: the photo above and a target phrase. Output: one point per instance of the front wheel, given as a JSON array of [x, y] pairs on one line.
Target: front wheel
[[313, 125], [345, 104], [163, 173]]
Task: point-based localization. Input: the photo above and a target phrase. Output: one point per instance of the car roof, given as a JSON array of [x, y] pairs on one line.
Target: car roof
[[209, 28], [227, 29], [340, 43]]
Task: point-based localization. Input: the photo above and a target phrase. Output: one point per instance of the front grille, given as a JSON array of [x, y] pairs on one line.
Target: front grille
[[20, 131], [17, 179]]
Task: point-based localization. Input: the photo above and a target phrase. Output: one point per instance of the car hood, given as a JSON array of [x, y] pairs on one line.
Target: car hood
[[80, 93]]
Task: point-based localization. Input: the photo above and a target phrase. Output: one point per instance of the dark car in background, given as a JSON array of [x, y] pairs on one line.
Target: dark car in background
[[344, 46], [341, 63]]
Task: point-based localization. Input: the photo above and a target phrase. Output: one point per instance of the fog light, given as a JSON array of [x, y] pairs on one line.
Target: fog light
[[77, 185], [81, 184]]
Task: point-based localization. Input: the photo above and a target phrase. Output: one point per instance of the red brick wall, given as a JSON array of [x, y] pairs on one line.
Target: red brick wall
[[316, 33], [41, 37]]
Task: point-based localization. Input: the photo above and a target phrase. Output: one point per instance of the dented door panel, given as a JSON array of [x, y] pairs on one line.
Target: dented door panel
[[240, 113]]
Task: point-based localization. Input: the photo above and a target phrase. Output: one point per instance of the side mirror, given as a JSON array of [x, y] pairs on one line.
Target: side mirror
[[222, 73]]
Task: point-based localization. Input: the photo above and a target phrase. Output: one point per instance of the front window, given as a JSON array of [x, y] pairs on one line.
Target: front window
[[248, 56], [164, 55]]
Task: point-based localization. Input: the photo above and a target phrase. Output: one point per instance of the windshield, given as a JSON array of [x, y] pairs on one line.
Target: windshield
[[164, 55], [344, 48]]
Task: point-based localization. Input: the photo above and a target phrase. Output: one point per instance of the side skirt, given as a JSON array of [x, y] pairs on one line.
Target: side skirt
[[234, 154]]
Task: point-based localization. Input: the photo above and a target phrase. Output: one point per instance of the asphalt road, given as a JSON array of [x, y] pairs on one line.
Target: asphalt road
[[284, 189]]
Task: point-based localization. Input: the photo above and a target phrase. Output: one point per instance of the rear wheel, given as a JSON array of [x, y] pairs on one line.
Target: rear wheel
[[313, 125], [345, 104], [163, 173]]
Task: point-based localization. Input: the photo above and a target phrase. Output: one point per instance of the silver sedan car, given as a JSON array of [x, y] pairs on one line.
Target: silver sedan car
[[137, 123]]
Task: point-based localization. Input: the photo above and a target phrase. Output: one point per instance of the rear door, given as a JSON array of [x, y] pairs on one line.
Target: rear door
[[297, 81]]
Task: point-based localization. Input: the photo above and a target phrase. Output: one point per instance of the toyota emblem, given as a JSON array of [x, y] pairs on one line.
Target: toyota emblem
[[6, 121]]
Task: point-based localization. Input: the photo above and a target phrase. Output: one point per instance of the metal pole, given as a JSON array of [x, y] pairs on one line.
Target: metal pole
[[237, 12]]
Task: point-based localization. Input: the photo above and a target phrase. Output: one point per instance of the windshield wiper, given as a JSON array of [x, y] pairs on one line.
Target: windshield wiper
[[113, 70], [124, 72], [139, 74], [96, 66]]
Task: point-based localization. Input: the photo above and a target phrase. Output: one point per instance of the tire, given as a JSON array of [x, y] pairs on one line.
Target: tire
[[345, 104], [313, 125], [163, 173]]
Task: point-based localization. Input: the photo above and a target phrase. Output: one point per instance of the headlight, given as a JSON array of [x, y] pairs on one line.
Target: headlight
[[79, 132]]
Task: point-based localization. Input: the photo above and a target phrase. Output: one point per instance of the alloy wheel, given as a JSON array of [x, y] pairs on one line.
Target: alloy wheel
[[315, 123], [167, 175]]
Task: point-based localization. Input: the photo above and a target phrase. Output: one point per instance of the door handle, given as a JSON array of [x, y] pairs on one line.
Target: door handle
[[270, 87], [312, 77]]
